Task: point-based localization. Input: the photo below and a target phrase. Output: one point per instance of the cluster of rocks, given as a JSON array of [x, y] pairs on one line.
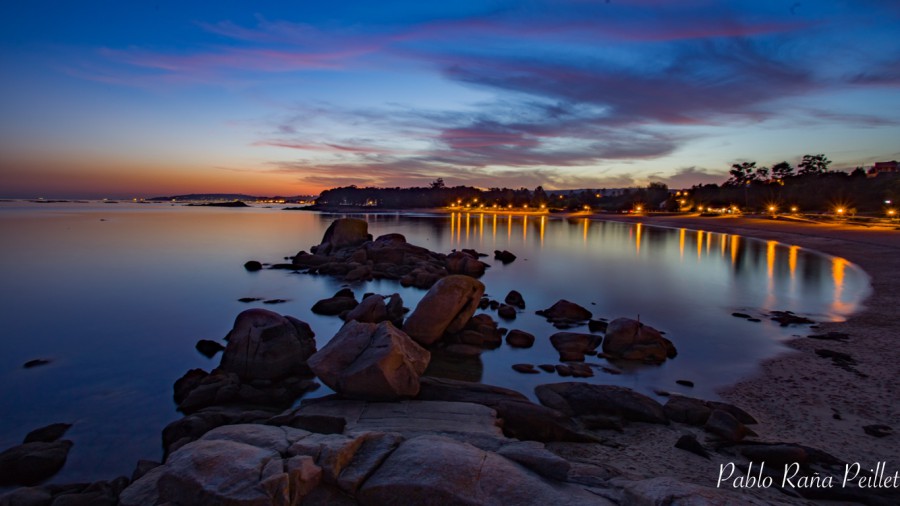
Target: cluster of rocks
[[264, 363], [349, 252]]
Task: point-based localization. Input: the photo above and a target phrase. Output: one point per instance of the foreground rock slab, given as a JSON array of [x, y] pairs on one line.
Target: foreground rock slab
[[439, 470]]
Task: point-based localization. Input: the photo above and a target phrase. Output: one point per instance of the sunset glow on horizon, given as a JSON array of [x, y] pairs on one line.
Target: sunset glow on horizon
[[102, 99]]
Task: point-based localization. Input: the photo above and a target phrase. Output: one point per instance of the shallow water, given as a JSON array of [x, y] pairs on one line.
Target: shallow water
[[116, 296]]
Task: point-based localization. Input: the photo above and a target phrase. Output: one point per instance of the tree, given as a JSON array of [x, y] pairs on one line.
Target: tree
[[741, 173], [782, 170], [762, 174], [813, 164], [438, 184]]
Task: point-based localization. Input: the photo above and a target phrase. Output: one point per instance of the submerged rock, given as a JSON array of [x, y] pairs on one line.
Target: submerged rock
[[32, 463]]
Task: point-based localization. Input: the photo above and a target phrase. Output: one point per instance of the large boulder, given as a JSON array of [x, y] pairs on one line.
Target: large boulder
[[446, 308], [572, 346], [629, 339], [371, 361], [342, 233], [265, 345], [579, 399]]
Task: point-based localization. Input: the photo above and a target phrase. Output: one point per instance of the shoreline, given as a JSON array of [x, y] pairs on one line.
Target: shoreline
[[798, 396]]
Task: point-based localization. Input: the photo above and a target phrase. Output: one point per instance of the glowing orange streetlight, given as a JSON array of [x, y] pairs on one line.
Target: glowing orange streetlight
[[793, 209], [840, 210]]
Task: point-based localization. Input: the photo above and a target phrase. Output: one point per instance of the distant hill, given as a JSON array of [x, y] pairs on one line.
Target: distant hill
[[225, 197]]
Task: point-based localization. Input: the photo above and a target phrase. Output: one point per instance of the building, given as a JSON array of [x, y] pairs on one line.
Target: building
[[892, 167]]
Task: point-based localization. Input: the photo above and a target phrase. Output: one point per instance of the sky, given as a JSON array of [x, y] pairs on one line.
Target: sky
[[145, 98]]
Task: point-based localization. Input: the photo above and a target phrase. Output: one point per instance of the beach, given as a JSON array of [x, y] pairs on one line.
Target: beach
[[803, 398]]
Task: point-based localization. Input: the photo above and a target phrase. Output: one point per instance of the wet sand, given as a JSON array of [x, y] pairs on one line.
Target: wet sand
[[801, 397]]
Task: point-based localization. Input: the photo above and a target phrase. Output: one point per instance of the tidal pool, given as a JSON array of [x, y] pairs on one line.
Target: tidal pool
[[116, 296]]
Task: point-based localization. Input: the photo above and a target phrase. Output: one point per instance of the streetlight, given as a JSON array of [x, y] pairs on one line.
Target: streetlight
[[793, 209]]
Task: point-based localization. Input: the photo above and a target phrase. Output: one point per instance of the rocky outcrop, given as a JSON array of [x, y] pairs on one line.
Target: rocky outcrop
[[357, 257], [341, 233], [264, 345], [628, 339], [565, 314], [446, 308], [371, 361], [578, 399], [572, 346]]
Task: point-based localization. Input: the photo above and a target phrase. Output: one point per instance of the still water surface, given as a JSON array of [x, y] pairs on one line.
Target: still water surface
[[116, 296]]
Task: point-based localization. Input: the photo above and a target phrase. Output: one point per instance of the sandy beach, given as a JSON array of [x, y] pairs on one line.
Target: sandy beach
[[801, 397]]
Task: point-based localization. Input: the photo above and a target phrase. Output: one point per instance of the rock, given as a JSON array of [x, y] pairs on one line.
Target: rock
[[576, 399], [27, 496], [193, 426], [371, 361], [371, 310], [572, 346], [565, 313], [266, 345], [395, 310], [547, 367], [480, 330], [274, 301], [504, 256], [741, 315], [143, 467], [253, 266], [686, 383], [439, 470], [31, 463], [522, 419], [35, 363], [536, 457], [629, 339], [514, 298], [247, 300], [525, 368], [460, 262], [666, 490], [688, 442], [47, 434], [520, 339], [741, 415], [447, 307], [342, 233], [776, 455], [506, 312], [222, 472], [597, 325], [878, 430], [342, 301], [463, 350], [785, 318], [208, 348], [831, 336], [721, 424], [687, 410]]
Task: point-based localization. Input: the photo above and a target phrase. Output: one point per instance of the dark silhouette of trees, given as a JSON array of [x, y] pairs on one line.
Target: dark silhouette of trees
[[813, 164], [741, 173]]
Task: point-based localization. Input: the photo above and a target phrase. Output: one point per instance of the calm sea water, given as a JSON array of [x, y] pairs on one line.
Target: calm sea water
[[116, 296]]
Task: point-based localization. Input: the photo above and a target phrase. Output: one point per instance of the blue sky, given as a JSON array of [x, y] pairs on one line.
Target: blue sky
[[103, 98]]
